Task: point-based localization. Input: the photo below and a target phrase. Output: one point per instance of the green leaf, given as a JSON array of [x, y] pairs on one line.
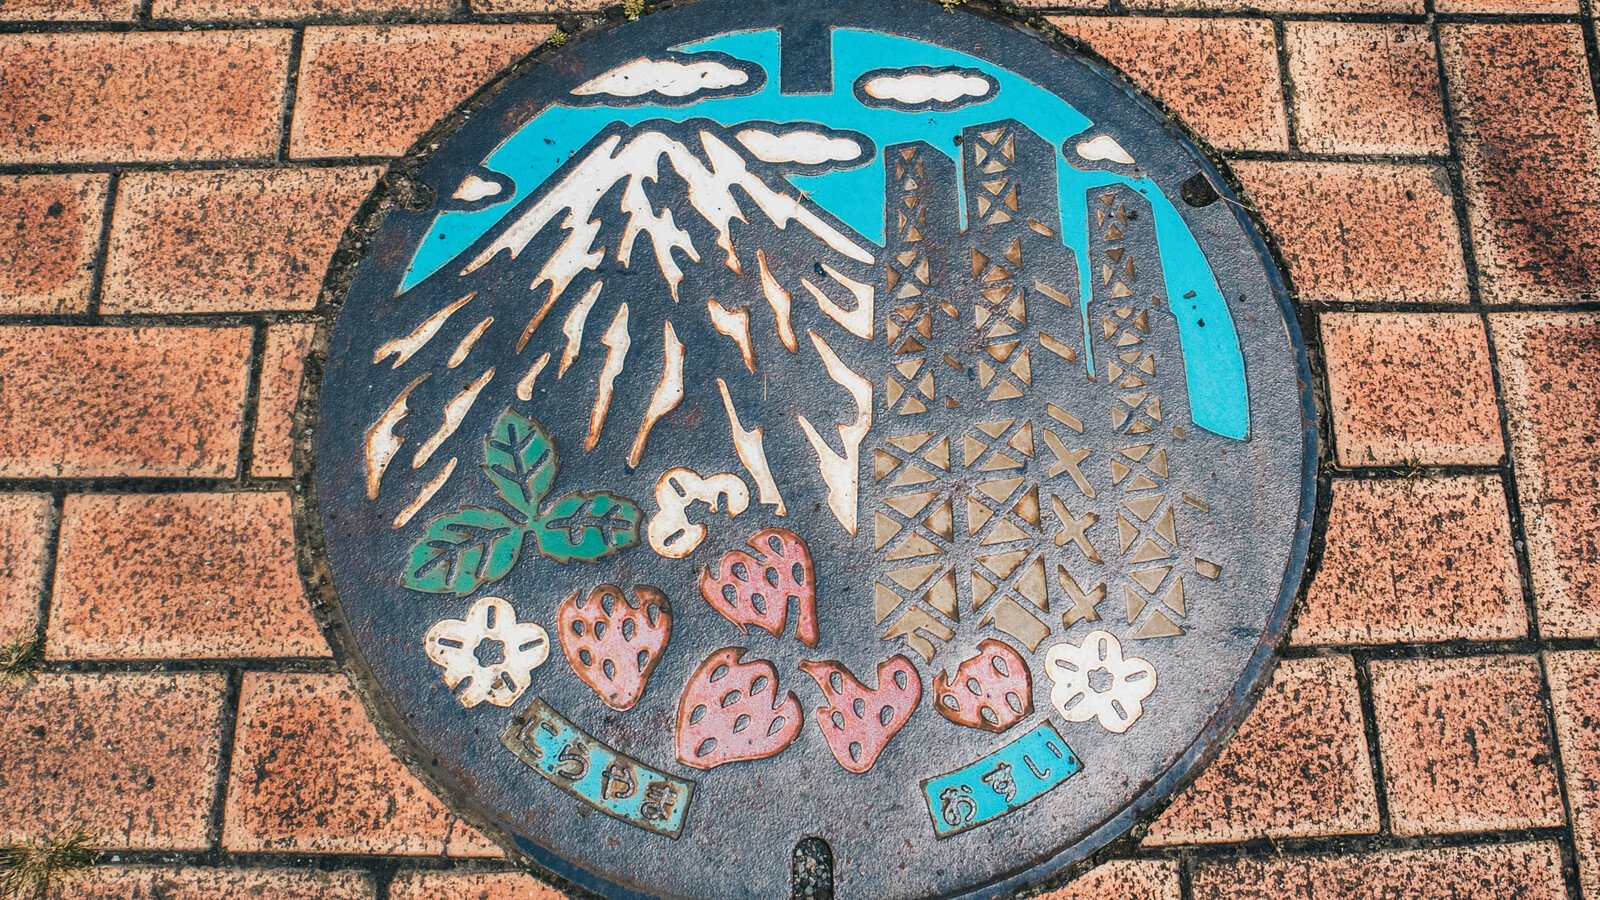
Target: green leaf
[[520, 458], [462, 551], [587, 526]]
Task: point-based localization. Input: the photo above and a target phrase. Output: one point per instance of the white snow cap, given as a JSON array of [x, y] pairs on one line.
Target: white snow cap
[[920, 87], [1104, 147], [667, 77], [804, 146], [473, 189]]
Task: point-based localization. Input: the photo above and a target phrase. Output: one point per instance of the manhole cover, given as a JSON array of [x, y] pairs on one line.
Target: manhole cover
[[841, 421]]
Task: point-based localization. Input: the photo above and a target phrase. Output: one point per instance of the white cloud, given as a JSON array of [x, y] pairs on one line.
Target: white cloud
[[473, 189], [921, 87], [667, 77], [800, 145], [1104, 147]]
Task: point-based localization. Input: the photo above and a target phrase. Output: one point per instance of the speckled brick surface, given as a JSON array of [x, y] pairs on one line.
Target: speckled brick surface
[[1366, 88], [24, 557], [1551, 375], [158, 576], [469, 886], [1219, 75], [141, 97], [1417, 560], [52, 271], [247, 240], [1466, 745], [1362, 232], [1299, 766], [105, 401], [313, 776], [175, 174], [133, 757], [1530, 156], [1524, 871], [214, 883], [373, 91], [1410, 389]]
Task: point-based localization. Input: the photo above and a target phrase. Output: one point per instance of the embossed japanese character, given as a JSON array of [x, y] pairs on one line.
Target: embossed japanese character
[[1000, 779], [659, 799], [956, 805], [617, 782], [574, 761]]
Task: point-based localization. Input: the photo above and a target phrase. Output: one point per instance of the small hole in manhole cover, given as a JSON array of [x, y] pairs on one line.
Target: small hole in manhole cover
[[1197, 191], [811, 877]]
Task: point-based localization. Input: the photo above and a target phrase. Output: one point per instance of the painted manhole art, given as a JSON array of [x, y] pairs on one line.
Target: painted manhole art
[[862, 422]]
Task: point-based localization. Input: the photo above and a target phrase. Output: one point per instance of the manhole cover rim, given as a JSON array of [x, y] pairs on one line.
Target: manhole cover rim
[[488, 100]]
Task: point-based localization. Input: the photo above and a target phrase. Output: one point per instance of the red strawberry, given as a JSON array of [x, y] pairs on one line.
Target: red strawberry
[[992, 690], [751, 592], [614, 641], [730, 712], [858, 722]]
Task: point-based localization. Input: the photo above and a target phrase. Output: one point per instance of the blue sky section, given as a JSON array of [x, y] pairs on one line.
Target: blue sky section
[[1214, 367]]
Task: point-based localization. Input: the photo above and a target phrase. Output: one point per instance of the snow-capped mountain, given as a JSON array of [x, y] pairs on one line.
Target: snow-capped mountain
[[664, 277], [710, 171]]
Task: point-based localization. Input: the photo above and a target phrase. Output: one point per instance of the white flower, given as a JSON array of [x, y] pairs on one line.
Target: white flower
[[488, 650], [1094, 681]]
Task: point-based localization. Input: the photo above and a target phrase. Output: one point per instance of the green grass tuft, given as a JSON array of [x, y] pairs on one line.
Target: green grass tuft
[[30, 869], [21, 658], [557, 38], [633, 9]]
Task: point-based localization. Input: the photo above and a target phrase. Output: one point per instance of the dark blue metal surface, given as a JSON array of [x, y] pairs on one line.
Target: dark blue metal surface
[[798, 421]]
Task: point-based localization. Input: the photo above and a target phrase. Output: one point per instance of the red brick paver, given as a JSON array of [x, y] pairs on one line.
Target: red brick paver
[[87, 97], [564, 6], [372, 91], [1281, 6], [1298, 767], [51, 225], [1361, 232], [68, 10], [256, 10], [1415, 560], [1531, 158], [194, 883], [311, 775], [164, 576], [106, 402], [1575, 695], [1366, 88], [238, 241], [1411, 389], [1123, 879], [1523, 871], [1465, 745], [1219, 75], [131, 757], [1550, 369], [470, 886], [24, 555], [282, 366]]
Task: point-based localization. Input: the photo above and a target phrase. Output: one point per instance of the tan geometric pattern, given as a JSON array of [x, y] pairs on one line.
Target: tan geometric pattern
[[1001, 312], [990, 506], [1147, 543], [910, 387]]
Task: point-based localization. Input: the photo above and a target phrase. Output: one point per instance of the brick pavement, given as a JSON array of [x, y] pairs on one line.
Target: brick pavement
[[175, 175]]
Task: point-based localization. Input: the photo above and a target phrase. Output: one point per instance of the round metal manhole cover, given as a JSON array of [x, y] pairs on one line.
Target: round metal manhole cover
[[857, 422]]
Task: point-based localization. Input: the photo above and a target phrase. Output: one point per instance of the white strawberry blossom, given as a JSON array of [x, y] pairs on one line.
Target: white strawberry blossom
[[489, 652], [1095, 681]]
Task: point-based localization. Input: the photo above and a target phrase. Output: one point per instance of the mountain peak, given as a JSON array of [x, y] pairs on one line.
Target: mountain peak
[[709, 166]]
